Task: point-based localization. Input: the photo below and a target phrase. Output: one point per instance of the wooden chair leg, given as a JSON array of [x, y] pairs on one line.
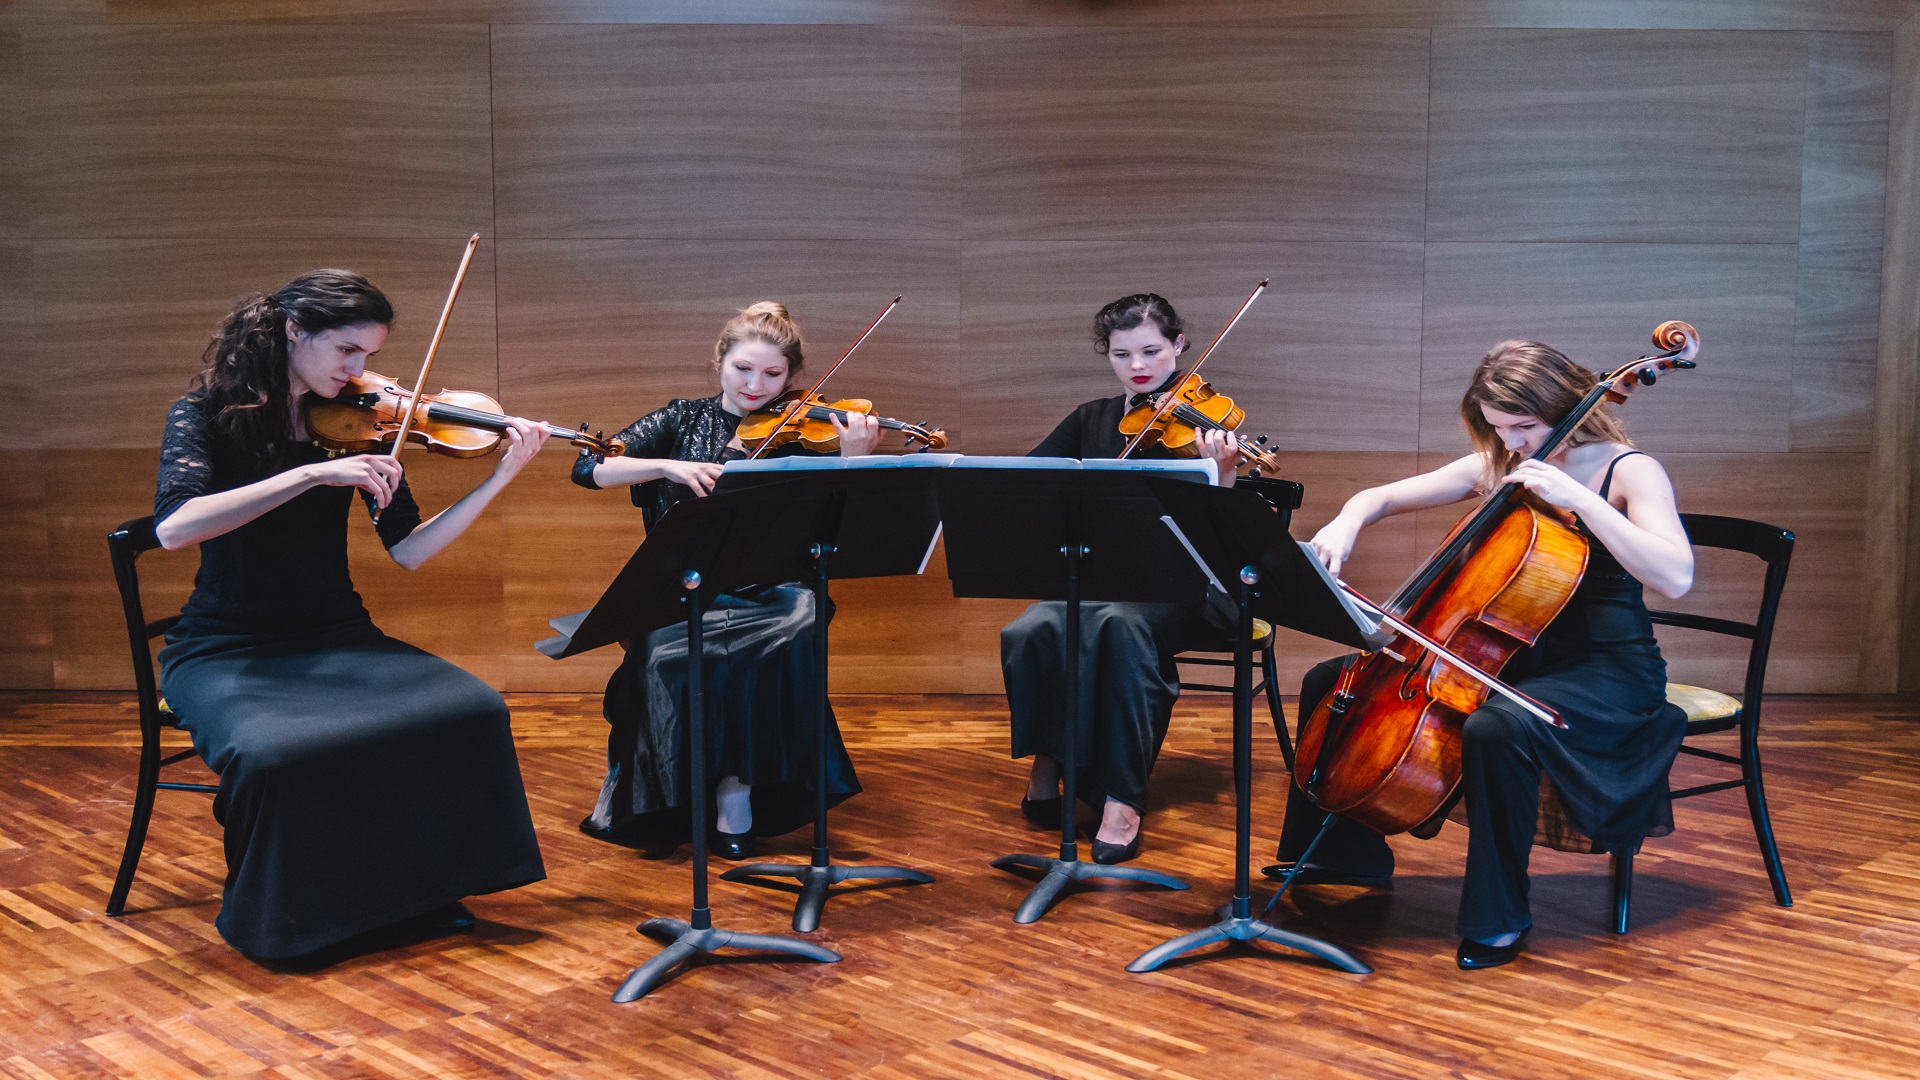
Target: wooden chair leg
[[145, 786], [1762, 821], [1272, 684], [1622, 891]]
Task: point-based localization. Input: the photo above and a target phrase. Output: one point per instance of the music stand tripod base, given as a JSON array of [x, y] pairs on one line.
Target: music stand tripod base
[[817, 882], [1249, 929], [685, 941], [1059, 873]]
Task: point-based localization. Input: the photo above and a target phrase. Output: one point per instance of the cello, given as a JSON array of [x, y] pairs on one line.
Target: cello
[[1384, 749]]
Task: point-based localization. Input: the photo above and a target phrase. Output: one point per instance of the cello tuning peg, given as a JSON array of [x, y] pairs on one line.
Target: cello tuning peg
[[1647, 377], [1253, 474], [1260, 440]]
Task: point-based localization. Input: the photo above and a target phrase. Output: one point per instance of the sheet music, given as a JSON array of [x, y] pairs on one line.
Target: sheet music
[[1195, 555], [928, 557], [1369, 626]]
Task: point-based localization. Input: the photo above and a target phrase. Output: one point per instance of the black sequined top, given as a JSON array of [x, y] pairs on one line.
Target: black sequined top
[[283, 574], [686, 429]]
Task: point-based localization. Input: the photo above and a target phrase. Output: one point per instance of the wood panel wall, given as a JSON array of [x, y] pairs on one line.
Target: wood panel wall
[[1419, 179]]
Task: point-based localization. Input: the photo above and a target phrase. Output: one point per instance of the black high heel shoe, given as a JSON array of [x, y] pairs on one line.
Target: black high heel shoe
[[1321, 875], [1109, 854], [1474, 955], [728, 845], [1042, 812]]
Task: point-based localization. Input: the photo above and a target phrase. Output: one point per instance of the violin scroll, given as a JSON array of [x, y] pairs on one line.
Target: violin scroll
[[1677, 338], [1681, 342]]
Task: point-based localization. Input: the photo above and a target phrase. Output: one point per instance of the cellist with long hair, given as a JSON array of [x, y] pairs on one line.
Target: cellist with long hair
[[1597, 664]]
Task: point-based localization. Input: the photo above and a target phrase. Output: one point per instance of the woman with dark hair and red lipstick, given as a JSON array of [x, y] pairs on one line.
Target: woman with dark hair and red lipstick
[[1128, 678]]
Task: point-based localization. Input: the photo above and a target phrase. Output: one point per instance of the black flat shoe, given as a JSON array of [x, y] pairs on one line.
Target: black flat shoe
[[1321, 875], [728, 845], [1042, 812], [1473, 955], [1109, 854]]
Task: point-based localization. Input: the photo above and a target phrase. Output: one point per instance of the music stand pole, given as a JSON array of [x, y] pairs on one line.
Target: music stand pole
[[1058, 873], [1239, 923], [818, 877], [688, 939]]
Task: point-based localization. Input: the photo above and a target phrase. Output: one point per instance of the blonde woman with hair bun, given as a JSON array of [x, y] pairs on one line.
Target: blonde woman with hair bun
[[758, 666], [1597, 664]]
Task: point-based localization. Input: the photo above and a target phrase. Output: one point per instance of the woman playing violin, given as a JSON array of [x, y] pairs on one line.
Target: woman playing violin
[[1597, 664], [1128, 675], [363, 782], [759, 670]]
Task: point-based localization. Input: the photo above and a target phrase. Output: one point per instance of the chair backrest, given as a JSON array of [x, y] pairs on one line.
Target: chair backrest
[[125, 545], [1772, 545]]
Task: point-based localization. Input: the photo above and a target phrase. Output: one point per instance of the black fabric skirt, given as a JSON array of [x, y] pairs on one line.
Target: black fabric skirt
[[362, 782], [1128, 684], [760, 683]]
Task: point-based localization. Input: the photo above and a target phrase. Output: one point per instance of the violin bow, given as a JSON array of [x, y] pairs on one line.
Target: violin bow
[[433, 347], [1467, 668], [799, 406], [1168, 400]]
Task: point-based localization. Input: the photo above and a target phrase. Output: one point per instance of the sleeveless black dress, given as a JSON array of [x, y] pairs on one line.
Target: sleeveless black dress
[[1599, 666], [362, 780], [758, 670]]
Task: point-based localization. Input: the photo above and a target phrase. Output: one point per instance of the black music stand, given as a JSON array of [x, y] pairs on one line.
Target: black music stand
[[1240, 538], [703, 547], [874, 520], [1035, 532]]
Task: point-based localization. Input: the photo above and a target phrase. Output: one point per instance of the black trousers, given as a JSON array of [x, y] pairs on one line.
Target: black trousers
[[1500, 775], [1128, 685]]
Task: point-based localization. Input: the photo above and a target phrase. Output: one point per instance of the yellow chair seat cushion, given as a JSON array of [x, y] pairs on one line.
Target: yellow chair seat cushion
[[1262, 630], [1701, 703]]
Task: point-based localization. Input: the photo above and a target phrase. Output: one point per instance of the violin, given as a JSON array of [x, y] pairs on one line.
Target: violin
[[1176, 416], [1384, 747], [809, 417], [1197, 407], [783, 421], [367, 415]]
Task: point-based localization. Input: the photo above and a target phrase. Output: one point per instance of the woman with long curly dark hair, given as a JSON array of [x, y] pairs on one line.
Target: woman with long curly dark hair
[[363, 782]]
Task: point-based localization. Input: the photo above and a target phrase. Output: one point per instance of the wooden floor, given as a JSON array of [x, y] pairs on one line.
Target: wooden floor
[[1713, 981]]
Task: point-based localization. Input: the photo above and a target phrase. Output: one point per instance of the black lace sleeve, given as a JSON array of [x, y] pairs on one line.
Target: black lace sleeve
[[399, 519], [651, 436], [186, 460]]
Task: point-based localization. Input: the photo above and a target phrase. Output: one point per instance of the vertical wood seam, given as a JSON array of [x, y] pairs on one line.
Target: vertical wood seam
[[1887, 661]]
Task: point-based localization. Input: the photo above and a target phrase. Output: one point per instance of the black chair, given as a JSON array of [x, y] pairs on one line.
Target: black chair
[[125, 544], [1284, 496], [1711, 711]]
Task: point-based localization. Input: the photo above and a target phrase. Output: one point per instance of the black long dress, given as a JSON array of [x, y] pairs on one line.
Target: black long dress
[[1599, 666], [362, 781], [758, 669], [1128, 677]]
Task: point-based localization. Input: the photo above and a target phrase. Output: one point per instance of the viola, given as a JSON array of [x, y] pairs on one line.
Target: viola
[[1384, 747], [368, 415], [786, 420], [1197, 407], [1176, 416]]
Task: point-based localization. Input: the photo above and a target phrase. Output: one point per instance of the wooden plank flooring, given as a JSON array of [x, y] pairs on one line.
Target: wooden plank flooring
[[1713, 981]]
